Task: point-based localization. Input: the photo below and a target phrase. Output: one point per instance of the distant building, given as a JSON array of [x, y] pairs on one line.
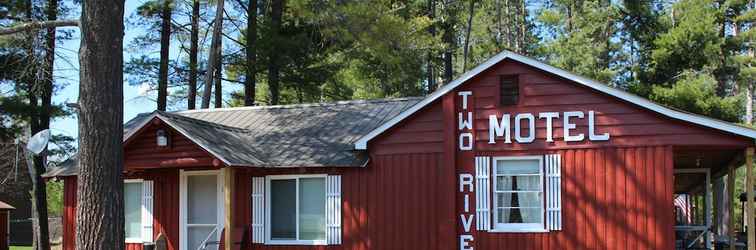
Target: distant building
[[16, 188]]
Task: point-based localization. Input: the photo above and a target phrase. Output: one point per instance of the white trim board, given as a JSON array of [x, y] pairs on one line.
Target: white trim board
[[361, 144]]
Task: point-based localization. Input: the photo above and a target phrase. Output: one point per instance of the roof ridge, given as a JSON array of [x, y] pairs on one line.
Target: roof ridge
[[301, 105]]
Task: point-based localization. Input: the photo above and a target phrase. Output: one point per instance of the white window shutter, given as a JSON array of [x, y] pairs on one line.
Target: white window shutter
[[258, 210], [483, 192], [333, 209], [147, 201], [553, 192]]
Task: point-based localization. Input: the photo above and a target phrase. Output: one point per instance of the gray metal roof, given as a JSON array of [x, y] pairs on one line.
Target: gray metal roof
[[303, 135]]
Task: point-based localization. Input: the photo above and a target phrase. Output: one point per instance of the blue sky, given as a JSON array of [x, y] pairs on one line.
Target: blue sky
[[67, 74]]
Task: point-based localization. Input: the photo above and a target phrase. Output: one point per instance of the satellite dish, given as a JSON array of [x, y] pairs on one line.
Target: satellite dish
[[38, 142]]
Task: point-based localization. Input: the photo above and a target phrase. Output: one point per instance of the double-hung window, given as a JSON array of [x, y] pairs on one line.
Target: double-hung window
[[297, 209], [137, 204], [518, 194]]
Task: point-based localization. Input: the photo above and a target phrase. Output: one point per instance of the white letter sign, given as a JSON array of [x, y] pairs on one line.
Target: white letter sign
[[501, 127]]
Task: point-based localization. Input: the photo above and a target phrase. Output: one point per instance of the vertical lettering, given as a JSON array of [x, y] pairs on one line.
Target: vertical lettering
[[465, 141], [466, 180], [464, 242], [465, 124], [466, 221], [464, 95]]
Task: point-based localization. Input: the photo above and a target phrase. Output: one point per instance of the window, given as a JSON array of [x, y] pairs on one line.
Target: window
[[132, 206], [509, 91], [297, 213], [518, 194]]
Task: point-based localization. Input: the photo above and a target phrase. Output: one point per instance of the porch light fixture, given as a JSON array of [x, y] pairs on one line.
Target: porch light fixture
[[162, 138]]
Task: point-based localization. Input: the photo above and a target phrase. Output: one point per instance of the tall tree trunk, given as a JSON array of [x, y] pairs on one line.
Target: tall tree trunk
[[218, 83], [508, 24], [165, 44], [43, 122], [215, 51], [38, 86], [523, 27], [193, 51], [467, 35], [99, 213], [276, 14], [250, 81], [432, 31]]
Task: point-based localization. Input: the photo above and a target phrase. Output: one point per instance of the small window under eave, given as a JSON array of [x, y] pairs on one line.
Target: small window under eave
[[509, 91]]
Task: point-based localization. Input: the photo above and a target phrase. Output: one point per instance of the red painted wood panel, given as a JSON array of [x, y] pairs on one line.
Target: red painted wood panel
[[421, 133], [390, 204], [612, 198], [69, 213], [142, 152], [165, 213], [4, 230]]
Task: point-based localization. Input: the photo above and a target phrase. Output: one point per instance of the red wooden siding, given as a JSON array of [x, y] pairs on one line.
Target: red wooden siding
[[69, 213], [390, 204], [165, 213], [4, 230], [421, 133], [612, 198], [627, 124], [142, 152]]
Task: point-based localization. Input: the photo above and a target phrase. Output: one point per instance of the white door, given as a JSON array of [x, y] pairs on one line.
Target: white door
[[201, 210]]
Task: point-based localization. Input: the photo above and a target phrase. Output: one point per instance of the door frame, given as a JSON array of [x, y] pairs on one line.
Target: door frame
[[183, 200]]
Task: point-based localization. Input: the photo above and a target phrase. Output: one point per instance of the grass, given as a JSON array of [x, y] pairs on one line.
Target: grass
[[20, 248]]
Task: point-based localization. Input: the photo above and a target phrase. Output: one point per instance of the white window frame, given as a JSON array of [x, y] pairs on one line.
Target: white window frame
[[183, 198], [268, 238], [517, 227], [137, 239]]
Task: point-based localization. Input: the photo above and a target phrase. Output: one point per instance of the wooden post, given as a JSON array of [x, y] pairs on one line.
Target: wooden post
[[731, 198], [228, 193], [749, 195]]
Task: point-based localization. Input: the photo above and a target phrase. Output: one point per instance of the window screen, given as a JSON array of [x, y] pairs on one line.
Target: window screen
[[518, 192], [132, 203], [509, 92], [297, 211]]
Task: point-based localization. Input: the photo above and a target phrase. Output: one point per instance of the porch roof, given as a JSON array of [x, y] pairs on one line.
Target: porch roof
[[5, 206], [303, 135]]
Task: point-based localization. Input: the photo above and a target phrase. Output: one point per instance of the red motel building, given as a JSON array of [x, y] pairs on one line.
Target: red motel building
[[514, 154]]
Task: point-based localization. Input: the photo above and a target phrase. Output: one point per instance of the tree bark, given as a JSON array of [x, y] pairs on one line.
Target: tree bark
[[99, 213], [448, 38], [218, 83], [273, 64], [432, 31], [250, 81], [40, 122], [215, 51], [35, 25], [467, 35], [193, 51], [165, 44]]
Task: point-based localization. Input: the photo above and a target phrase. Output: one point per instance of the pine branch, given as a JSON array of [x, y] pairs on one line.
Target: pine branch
[[38, 25]]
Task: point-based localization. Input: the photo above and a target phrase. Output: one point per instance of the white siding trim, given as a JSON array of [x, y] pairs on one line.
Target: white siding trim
[[483, 192], [361, 144], [147, 208], [258, 209], [553, 192], [333, 209]]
